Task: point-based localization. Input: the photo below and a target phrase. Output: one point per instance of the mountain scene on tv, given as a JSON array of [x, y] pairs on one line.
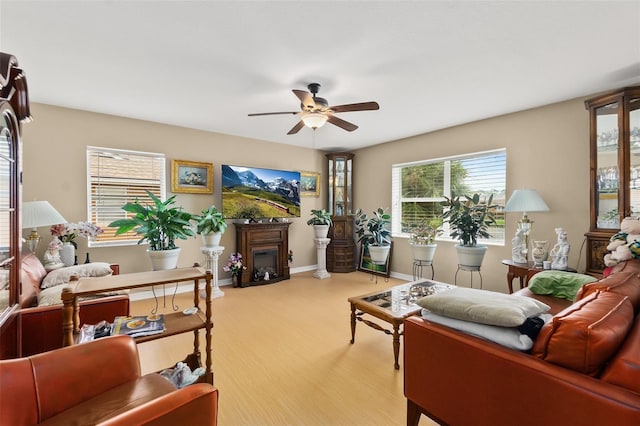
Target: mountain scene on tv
[[252, 193]]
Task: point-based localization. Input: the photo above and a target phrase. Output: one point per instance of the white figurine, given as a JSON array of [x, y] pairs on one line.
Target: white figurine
[[266, 276], [519, 247], [560, 252], [52, 255]]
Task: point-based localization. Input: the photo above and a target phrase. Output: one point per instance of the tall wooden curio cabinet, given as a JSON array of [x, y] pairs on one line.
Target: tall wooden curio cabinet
[[614, 168], [341, 251], [14, 109]]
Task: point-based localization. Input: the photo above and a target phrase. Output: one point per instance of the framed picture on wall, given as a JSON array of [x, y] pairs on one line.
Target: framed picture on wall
[[191, 177], [366, 265], [309, 184]]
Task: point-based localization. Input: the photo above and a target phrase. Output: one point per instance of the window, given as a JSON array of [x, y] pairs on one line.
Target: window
[[419, 187], [114, 178]]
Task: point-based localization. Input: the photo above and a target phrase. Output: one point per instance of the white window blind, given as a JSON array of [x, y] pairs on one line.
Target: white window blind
[[114, 178], [419, 187]]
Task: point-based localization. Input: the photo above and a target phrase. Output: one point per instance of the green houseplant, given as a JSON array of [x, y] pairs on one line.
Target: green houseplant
[[469, 218], [373, 233], [321, 221], [160, 224], [211, 225], [422, 240]]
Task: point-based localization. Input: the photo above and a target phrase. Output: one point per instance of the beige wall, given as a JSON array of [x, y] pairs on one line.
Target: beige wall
[[547, 149], [54, 147]]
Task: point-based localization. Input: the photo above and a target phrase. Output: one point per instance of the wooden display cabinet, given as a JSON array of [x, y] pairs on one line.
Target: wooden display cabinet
[[14, 110], [614, 127], [341, 251]]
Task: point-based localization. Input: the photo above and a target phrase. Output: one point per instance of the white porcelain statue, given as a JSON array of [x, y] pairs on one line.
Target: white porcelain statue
[[52, 255], [519, 247], [560, 252]]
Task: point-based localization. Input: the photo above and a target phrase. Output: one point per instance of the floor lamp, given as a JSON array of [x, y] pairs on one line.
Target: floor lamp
[[36, 214], [526, 201]]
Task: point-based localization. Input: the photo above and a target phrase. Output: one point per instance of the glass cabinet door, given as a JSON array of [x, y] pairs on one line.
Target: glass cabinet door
[[607, 170], [8, 211], [340, 184], [634, 148]]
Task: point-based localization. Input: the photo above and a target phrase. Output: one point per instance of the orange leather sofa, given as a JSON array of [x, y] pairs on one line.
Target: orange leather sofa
[[42, 325], [98, 383], [583, 369]]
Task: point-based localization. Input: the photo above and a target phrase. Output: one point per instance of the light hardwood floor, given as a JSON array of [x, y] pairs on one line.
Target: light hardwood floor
[[281, 355]]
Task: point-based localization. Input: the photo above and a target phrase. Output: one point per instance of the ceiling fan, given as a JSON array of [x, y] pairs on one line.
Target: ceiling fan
[[315, 111]]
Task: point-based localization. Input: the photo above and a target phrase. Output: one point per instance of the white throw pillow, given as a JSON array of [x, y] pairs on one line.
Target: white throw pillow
[[63, 275], [505, 336], [482, 306]]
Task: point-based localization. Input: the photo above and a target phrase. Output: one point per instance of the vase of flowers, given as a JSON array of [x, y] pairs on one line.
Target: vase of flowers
[[68, 232], [235, 266]]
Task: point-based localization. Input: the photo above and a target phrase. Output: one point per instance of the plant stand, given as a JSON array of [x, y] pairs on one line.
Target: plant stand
[[321, 249], [418, 265], [212, 254], [470, 269]]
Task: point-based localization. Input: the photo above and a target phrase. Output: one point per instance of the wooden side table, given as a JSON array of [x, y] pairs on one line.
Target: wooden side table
[[523, 271]]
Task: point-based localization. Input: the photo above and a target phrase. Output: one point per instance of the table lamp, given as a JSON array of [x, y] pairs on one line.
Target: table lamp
[[36, 214], [525, 200]]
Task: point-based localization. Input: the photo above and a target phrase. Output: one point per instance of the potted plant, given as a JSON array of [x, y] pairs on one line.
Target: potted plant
[[374, 234], [211, 225], [469, 219], [321, 221], [160, 224], [422, 240]]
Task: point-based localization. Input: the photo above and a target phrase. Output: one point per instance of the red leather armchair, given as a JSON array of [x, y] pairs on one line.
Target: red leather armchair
[[98, 383]]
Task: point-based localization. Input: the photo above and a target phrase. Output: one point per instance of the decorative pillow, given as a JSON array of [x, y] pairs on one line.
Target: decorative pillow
[[63, 275], [624, 283], [53, 295], [586, 334], [560, 284], [505, 336], [482, 306]]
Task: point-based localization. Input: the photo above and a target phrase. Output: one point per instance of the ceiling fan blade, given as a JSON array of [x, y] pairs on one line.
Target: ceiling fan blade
[[363, 106], [306, 99], [349, 127], [296, 128], [271, 113]]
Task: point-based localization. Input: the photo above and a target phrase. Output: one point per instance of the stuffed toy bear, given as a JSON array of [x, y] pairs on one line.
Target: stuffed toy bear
[[624, 245]]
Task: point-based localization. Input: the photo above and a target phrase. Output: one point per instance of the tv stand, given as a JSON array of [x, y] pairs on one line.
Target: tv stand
[[264, 248]]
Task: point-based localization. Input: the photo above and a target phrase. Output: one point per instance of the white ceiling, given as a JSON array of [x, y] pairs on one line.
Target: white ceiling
[[429, 64]]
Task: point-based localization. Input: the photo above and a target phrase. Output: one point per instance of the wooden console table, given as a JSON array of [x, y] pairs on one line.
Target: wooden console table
[[175, 323], [523, 271]]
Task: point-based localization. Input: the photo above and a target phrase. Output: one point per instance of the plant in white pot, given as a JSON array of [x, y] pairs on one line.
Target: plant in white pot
[[422, 240], [469, 219], [321, 221], [373, 233], [211, 225], [160, 224]]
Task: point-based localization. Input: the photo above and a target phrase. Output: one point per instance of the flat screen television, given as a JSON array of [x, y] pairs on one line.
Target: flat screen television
[[253, 193]]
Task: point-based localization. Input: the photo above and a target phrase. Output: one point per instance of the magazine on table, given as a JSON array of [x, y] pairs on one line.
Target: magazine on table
[[136, 326]]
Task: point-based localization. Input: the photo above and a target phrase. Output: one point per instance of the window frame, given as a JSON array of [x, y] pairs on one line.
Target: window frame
[[397, 199], [159, 183]]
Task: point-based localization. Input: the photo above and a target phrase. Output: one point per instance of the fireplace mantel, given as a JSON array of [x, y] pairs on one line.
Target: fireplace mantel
[[258, 238]]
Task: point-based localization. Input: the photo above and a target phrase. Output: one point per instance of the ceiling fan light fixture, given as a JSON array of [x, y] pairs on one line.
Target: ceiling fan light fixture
[[314, 120]]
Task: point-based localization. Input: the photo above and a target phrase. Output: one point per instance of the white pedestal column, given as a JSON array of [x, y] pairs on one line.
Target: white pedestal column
[[321, 248], [212, 254]]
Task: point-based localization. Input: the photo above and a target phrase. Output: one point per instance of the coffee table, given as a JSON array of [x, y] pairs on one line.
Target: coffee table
[[392, 305]]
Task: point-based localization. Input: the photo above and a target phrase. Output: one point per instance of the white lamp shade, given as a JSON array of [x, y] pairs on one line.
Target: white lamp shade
[[526, 200], [314, 120], [40, 213]]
